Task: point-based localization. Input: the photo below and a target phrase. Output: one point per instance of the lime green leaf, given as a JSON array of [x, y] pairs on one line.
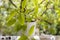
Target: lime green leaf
[[12, 14], [23, 37], [31, 30], [24, 3], [36, 7], [11, 22], [36, 10], [35, 2], [21, 19]]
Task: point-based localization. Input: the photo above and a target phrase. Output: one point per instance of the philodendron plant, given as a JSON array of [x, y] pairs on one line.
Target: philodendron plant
[[18, 15]]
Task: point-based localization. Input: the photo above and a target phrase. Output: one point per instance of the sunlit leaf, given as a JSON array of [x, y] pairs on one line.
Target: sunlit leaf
[[21, 19], [11, 15], [24, 3], [11, 22], [36, 10], [35, 2], [31, 30]]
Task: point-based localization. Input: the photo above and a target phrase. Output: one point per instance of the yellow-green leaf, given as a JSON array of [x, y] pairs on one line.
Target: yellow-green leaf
[[31, 30], [21, 19], [24, 3], [12, 14], [36, 10], [35, 2], [11, 22]]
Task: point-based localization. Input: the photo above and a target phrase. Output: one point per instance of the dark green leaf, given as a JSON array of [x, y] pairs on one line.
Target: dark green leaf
[[52, 30], [24, 27], [17, 27], [23, 37]]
